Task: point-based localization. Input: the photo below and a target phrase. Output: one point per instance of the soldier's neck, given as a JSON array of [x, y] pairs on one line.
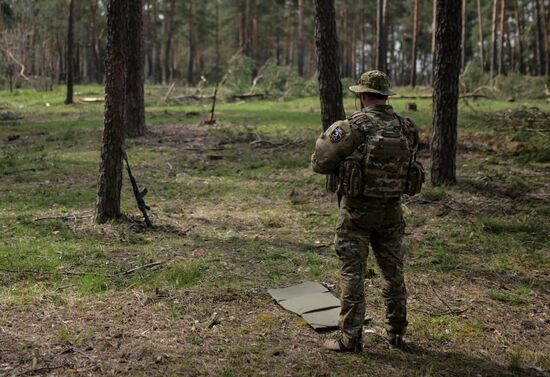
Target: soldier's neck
[[372, 102]]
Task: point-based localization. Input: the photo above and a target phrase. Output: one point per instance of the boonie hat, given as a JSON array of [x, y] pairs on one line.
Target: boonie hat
[[373, 82]]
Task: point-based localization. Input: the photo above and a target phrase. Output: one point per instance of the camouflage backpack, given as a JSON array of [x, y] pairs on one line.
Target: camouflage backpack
[[381, 164]]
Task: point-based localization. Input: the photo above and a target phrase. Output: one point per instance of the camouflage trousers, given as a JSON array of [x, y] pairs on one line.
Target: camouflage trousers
[[382, 226]]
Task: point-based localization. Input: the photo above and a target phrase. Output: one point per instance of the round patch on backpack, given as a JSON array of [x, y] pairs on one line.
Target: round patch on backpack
[[336, 135]]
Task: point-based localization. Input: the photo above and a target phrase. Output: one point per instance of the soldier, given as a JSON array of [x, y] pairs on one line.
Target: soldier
[[373, 152]]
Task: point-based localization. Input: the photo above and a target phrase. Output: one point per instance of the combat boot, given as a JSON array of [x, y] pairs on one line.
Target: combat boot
[[396, 342], [337, 345]]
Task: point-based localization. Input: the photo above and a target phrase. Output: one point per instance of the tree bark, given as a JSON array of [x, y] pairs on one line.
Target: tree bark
[[381, 35], [301, 42], [501, 37], [445, 92], [494, 40], [326, 44], [192, 47], [416, 16], [463, 35], [168, 74], [110, 172], [157, 70], [545, 38], [134, 104], [70, 54], [481, 47]]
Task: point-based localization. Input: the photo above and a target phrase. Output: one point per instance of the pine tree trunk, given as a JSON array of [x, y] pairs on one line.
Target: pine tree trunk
[[463, 38], [330, 87], [416, 16], [192, 47], [481, 47], [110, 172], [168, 74], [70, 54], [519, 35], [135, 109], [326, 43], [545, 38], [501, 37], [381, 35], [494, 33], [157, 69], [445, 92], [301, 42], [363, 42]]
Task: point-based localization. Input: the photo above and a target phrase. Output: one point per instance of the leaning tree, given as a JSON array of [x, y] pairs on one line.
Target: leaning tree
[[445, 91], [110, 172]]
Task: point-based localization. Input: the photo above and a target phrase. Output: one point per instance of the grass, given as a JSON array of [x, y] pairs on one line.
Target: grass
[[251, 218]]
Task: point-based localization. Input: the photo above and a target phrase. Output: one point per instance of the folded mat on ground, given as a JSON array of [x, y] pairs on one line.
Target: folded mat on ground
[[313, 301]]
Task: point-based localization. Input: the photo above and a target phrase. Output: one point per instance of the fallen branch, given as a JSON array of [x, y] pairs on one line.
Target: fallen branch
[[170, 89], [273, 144], [39, 370], [248, 95], [145, 266]]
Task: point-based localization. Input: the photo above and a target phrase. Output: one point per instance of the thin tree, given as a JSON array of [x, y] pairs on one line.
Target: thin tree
[[445, 92], [168, 74], [192, 47], [381, 35], [110, 172], [481, 47], [501, 37], [463, 34], [416, 16], [494, 40], [70, 54], [134, 104], [301, 42], [519, 38]]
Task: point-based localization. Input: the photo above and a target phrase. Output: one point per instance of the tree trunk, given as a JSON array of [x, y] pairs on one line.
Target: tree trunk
[[135, 109], [301, 42], [70, 54], [501, 37], [481, 47], [217, 34], [110, 172], [192, 47], [416, 16], [157, 70], [363, 41], [545, 38], [168, 74], [381, 35], [445, 92], [330, 87], [494, 40], [519, 35], [463, 35], [326, 44]]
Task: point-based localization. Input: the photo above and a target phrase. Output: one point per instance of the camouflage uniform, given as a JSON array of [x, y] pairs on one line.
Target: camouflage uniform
[[364, 220]]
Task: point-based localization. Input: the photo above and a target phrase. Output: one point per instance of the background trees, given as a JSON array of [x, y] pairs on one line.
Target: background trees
[[185, 40]]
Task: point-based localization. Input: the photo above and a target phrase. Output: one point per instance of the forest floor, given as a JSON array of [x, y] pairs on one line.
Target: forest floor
[[237, 211]]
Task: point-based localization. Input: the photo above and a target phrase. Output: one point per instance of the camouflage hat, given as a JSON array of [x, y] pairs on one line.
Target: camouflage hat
[[373, 82]]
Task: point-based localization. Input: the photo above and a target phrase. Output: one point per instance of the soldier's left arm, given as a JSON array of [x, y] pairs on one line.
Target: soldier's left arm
[[332, 146], [412, 135]]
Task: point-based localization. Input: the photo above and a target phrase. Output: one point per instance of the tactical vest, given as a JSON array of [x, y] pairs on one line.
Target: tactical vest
[[385, 155]]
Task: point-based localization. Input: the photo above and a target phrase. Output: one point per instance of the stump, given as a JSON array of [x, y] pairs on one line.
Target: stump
[[411, 106]]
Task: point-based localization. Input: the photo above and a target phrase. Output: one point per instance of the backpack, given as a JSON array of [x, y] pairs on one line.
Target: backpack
[[383, 166]]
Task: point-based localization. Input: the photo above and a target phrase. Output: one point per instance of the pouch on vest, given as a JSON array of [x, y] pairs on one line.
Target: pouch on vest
[[415, 179]]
